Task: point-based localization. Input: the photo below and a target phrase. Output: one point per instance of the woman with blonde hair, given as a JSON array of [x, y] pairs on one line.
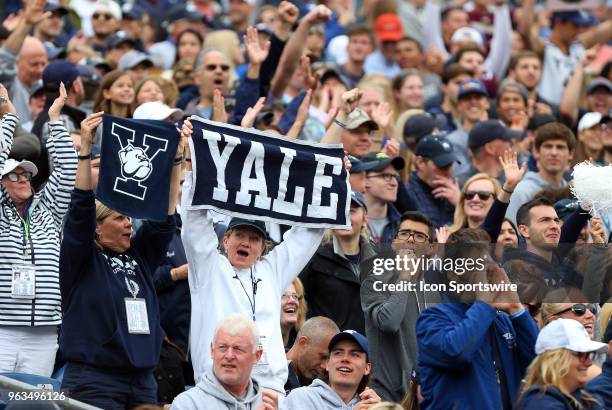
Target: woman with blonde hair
[[293, 311], [556, 377]]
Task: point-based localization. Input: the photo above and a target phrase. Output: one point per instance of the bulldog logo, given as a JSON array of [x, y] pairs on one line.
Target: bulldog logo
[[137, 157]]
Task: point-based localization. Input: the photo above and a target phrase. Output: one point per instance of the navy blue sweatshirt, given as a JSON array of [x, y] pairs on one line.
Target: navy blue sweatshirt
[[93, 288]]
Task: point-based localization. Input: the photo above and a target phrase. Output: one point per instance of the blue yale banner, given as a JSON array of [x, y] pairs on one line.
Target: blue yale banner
[[247, 173], [136, 165]]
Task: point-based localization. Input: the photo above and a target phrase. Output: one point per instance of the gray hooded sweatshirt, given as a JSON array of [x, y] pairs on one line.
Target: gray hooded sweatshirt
[[317, 396], [209, 394]]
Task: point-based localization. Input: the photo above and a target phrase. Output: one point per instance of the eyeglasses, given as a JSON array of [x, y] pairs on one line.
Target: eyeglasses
[[213, 67], [15, 176], [293, 296], [483, 195], [387, 177], [102, 16], [584, 355], [406, 234], [579, 309]]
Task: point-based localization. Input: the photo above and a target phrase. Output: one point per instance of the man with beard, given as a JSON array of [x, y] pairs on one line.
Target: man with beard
[[51, 26], [526, 69], [553, 150], [360, 45], [308, 355]]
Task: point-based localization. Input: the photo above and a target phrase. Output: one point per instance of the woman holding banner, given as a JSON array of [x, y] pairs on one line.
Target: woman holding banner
[[111, 334], [245, 279], [31, 223]]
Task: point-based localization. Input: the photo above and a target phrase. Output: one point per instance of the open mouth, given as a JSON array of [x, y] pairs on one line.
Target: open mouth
[[218, 82], [290, 309], [589, 327], [345, 370], [242, 253]]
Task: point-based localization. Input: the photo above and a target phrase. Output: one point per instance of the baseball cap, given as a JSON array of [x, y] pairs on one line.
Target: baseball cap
[[511, 85], [388, 27], [420, 125], [259, 226], [472, 86], [264, 28], [578, 17], [156, 110], [589, 120], [109, 6], [358, 165], [60, 71], [566, 334], [357, 118], [55, 7], [353, 335], [438, 149], [538, 120], [36, 88], [11, 164], [332, 72], [468, 34], [119, 38], [597, 83], [132, 12], [133, 58], [382, 161], [490, 130], [358, 198], [565, 207]]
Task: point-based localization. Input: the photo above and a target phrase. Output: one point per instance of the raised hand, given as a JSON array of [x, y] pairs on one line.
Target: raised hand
[[88, 128], [513, 174], [56, 108], [256, 51], [311, 81], [288, 13], [187, 129], [391, 148], [597, 231], [300, 118], [382, 114], [35, 12], [320, 14], [6, 106], [442, 234], [249, 117], [219, 113], [446, 188], [350, 99]]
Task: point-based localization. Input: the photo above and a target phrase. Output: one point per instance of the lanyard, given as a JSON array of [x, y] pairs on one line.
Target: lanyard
[[254, 288], [25, 225]]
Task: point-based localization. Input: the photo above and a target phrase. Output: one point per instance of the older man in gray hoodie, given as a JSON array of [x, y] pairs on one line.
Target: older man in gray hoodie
[[228, 384], [348, 375]]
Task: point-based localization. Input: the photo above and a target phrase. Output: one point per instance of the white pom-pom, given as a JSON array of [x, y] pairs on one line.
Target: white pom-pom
[[593, 186]]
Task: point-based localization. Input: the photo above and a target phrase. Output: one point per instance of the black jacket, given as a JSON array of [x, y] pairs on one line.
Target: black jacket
[[332, 286]]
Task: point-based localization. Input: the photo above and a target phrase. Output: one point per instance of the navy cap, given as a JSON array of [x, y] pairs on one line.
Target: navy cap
[[382, 161], [132, 12], [599, 83], [54, 52], [358, 165], [181, 12], [420, 125], [36, 88], [60, 71], [56, 8], [358, 198], [353, 335], [438, 149], [538, 120], [469, 87], [578, 17], [490, 130], [565, 207], [259, 226], [117, 39]]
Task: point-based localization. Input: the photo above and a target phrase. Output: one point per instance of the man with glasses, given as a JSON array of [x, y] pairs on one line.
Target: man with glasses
[[391, 315], [382, 181], [432, 187]]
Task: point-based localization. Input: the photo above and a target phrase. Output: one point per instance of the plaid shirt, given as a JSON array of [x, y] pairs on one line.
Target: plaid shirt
[[439, 211]]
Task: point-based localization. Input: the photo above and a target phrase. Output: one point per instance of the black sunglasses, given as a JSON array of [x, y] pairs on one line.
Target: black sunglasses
[[483, 195], [579, 309], [584, 355], [15, 176], [96, 16], [213, 67]]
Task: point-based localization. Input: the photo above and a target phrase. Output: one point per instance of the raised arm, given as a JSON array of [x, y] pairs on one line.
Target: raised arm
[[528, 28], [350, 99], [56, 193], [8, 122], [600, 34], [293, 49], [498, 59], [568, 109]]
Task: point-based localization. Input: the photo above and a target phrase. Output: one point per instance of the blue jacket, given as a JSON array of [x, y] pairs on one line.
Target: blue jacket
[[174, 297], [456, 359], [93, 287], [439, 211], [536, 398], [602, 384]]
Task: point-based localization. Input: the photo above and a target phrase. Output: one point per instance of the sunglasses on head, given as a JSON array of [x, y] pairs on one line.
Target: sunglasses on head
[[483, 195], [213, 67], [15, 176], [102, 15], [579, 309]]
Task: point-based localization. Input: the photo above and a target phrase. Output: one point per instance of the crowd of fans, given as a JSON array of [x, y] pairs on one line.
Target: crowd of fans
[[461, 121]]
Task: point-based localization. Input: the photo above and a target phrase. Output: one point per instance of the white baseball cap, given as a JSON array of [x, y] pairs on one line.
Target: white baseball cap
[[566, 334], [589, 120], [156, 110], [11, 164], [109, 6], [469, 34]]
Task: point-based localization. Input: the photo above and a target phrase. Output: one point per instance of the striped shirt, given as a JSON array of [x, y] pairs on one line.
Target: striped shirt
[[46, 213]]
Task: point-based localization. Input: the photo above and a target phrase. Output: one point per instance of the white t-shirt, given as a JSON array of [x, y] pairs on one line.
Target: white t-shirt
[[557, 69]]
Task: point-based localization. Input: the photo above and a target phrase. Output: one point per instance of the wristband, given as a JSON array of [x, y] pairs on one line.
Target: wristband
[[506, 191], [178, 161], [84, 157], [340, 123], [188, 159]]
